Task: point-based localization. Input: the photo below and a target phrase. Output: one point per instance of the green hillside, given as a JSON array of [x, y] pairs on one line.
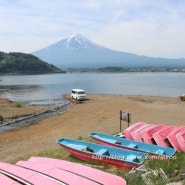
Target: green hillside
[[21, 63]]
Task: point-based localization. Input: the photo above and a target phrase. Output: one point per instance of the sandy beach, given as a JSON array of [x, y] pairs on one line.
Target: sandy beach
[[98, 113]]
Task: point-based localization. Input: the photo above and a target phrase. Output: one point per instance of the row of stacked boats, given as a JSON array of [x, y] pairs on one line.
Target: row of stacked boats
[[159, 134]]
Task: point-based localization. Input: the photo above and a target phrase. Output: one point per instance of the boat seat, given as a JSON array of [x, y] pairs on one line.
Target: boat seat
[[118, 142], [87, 149], [132, 158], [161, 152], [102, 152], [132, 145], [78, 147], [136, 160]]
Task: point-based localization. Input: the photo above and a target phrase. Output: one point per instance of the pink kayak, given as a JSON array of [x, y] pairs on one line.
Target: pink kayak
[[128, 131], [160, 136], [172, 138]]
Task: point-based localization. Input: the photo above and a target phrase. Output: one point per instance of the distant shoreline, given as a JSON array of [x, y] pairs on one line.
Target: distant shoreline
[[117, 69], [4, 74], [104, 70]]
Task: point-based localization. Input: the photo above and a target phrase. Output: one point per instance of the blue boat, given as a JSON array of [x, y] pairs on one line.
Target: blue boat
[[132, 145], [111, 156]]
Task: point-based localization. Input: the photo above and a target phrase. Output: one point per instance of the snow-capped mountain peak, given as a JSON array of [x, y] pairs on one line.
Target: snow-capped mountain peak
[[76, 41]]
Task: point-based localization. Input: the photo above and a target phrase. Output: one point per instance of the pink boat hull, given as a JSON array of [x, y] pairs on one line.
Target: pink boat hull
[[132, 128], [4, 180], [180, 136], [137, 134], [60, 174], [148, 133], [90, 174], [160, 136], [173, 140], [25, 175]]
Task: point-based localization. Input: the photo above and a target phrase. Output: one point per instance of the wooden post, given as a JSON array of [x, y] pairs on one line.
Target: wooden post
[[125, 117], [128, 119], [120, 121]]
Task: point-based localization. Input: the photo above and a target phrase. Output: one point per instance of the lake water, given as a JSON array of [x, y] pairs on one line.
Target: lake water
[[53, 86]]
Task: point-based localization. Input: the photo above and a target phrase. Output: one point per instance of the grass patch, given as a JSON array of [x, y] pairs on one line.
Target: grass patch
[[59, 153], [176, 163], [1, 118], [16, 105], [171, 167]]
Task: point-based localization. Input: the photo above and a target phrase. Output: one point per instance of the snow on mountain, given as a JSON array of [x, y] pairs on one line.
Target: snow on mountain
[[75, 41], [78, 51], [78, 41]]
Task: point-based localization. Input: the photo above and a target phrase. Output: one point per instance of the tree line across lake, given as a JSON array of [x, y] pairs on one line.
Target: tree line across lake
[[21, 63]]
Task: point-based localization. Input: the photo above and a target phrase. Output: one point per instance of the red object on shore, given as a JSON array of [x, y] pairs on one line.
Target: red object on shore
[[180, 136], [173, 140], [160, 136], [137, 134], [128, 131]]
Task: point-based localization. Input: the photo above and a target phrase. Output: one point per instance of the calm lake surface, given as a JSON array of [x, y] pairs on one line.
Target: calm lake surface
[[54, 86]]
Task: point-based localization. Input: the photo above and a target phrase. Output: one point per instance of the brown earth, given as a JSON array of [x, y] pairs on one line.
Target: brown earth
[[98, 113], [8, 109]]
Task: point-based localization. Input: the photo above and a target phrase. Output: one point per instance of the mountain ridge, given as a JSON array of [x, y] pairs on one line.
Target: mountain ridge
[[78, 51], [22, 63]]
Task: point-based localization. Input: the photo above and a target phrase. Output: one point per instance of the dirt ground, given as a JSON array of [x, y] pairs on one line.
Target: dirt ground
[[98, 113], [8, 109]]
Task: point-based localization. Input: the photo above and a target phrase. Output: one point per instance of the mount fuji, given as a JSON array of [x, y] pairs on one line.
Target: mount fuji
[[76, 51]]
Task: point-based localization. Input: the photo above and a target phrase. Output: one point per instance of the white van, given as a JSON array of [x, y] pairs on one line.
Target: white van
[[78, 94]]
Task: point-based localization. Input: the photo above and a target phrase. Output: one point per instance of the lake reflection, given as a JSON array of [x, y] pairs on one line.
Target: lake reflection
[[20, 92]]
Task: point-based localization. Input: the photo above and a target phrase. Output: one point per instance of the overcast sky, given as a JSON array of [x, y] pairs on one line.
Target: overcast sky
[[144, 27]]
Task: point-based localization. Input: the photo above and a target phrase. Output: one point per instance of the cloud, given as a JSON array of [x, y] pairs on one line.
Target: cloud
[[153, 28]]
